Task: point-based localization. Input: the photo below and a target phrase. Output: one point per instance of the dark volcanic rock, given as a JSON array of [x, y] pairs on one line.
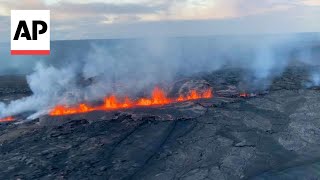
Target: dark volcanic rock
[[274, 136], [13, 87]]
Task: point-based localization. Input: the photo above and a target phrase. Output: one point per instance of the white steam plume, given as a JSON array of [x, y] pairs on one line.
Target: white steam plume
[[137, 65]]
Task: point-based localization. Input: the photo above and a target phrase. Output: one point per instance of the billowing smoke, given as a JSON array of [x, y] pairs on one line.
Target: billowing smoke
[[77, 74], [49, 86], [316, 79]]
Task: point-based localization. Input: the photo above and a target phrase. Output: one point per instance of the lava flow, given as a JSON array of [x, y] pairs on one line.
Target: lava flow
[[7, 119], [244, 95], [112, 102]]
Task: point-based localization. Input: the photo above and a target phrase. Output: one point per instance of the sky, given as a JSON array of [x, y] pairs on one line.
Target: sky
[[97, 19]]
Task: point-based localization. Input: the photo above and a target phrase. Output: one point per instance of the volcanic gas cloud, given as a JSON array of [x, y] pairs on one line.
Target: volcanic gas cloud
[[113, 102]]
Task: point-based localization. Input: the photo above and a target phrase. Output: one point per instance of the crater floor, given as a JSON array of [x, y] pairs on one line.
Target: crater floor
[[274, 136]]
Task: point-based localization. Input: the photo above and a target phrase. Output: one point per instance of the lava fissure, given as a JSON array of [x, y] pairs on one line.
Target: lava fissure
[[7, 119], [112, 102]]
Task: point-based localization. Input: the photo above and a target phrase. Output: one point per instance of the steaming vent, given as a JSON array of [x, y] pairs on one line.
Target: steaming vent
[[120, 77], [181, 92]]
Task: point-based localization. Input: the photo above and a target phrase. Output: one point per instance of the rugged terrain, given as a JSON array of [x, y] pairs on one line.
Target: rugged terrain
[[274, 135]]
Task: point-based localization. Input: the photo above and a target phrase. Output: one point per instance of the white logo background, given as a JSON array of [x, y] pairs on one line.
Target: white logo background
[[43, 41]]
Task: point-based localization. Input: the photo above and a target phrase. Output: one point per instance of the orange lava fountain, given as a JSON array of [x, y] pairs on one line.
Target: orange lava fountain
[[7, 119], [112, 102]]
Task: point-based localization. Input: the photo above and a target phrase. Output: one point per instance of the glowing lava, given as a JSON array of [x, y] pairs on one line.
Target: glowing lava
[[244, 95], [7, 119], [112, 102]]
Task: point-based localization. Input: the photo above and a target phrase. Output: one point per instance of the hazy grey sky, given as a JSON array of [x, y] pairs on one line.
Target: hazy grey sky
[[82, 19]]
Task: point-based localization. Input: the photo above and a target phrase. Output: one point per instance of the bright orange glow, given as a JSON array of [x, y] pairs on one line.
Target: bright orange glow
[[244, 95], [207, 94], [7, 119], [112, 102]]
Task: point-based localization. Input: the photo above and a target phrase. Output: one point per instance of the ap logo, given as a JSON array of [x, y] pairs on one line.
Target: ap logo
[[30, 32]]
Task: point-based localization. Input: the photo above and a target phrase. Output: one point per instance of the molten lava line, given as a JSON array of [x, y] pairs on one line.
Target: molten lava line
[[7, 119], [112, 102], [244, 95]]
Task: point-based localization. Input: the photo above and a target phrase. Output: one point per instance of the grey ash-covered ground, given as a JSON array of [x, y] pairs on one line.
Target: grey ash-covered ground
[[275, 135]]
